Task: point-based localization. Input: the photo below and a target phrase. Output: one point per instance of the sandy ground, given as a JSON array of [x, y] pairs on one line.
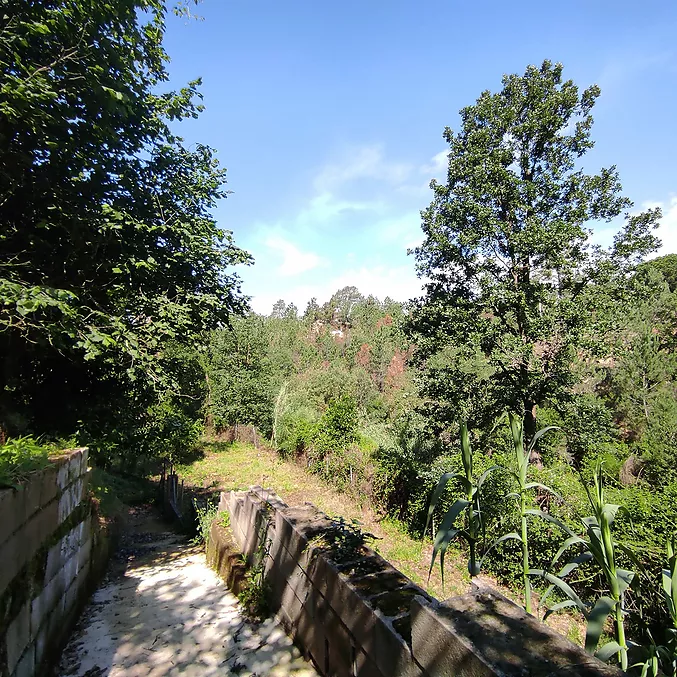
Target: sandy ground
[[163, 611]]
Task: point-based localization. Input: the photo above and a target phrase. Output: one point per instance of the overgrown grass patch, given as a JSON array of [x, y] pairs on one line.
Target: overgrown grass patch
[[238, 466], [20, 457], [114, 491]]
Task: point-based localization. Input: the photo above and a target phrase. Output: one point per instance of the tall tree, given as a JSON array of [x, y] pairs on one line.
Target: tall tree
[[506, 253], [108, 250]]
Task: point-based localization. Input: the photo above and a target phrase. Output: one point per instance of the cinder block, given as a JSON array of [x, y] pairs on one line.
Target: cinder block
[[340, 646], [70, 569], [269, 496], [62, 478], [365, 667], [295, 526], [224, 503], [23, 544], [75, 465], [486, 635], [47, 602], [31, 496], [49, 488], [70, 499], [291, 606], [373, 632], [10, 558], [76, 590], [18, 637], [55, 561], [84, 553], [11, 509], [41, 646], [84, 460], [311, 638]]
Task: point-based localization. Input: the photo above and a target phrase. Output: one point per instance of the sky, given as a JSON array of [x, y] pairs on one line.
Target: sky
[[329, 118]]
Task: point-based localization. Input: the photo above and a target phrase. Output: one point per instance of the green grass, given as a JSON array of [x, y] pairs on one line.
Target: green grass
[[238, 466], [20, 457], [114, 491]]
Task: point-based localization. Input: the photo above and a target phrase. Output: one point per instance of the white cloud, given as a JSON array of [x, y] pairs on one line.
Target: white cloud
[[325, 207], [366, 162], [294, 261], [404, 230], [399, 283], [437, 166]]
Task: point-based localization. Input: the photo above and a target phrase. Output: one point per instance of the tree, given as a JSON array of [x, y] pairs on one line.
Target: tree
[[506, 253], [241, 376], [342, 304], [108, 250]]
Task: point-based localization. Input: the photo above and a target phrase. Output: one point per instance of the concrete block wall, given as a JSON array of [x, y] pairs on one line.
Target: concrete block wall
[[355, 615], [46, 543]]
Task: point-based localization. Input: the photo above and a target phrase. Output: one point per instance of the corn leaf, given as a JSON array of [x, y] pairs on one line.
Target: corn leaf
[[596, 619]]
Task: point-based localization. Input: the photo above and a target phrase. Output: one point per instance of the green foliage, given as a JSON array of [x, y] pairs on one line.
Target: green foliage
[[114, 491], [19, 457], [524, 487], [669, 590], [470, 507], [506, 252], [205, 514], [255, 595], [599, 546], [344, 540], [109, 252], [338, 426], [240, 375]]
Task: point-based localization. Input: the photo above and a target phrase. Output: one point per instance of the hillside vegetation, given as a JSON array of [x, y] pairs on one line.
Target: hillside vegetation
[[522, 409]]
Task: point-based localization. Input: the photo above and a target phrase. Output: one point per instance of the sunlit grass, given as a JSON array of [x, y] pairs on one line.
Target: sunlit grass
[[238, 466]]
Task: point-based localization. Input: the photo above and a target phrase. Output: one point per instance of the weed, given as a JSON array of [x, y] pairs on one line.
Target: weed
[[255, 595], [343, 540], [205, 514], [19, 458]]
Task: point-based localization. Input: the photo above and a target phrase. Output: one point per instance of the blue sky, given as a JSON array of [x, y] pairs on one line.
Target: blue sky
[[329, 116]]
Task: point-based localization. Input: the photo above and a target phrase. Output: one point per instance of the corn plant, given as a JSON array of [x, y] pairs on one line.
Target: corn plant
[[470, 506], [652, 657], [522, 456], [669, 582], [598, 545]]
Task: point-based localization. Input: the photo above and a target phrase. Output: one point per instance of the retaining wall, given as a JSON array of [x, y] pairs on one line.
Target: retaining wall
[[354, 614], [48, 545]]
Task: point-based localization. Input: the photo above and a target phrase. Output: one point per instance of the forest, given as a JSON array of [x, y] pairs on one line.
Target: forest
[[523, 408]]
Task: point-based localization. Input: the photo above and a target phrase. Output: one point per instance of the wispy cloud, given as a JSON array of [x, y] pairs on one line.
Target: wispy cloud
[[294, 261], [367, 162], [325, 207], [437, 166], [399, 283]]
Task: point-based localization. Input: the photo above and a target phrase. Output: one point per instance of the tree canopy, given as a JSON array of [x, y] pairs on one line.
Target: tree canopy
[[108, 248], [507, 256]]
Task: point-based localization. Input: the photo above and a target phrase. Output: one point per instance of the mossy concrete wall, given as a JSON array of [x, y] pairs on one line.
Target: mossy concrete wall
[[50, 545], [354, 614]]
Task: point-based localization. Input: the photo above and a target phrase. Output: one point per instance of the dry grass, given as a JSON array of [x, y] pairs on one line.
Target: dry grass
[[238, 466]]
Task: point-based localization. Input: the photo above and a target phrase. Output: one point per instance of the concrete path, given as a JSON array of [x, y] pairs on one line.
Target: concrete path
[[163, 612]]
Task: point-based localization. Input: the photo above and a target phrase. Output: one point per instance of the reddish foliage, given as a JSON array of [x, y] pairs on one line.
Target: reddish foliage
[[396, 369], [363, 356], [385, 321]]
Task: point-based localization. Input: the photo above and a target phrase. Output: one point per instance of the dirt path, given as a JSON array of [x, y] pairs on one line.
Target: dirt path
[[163, 611]]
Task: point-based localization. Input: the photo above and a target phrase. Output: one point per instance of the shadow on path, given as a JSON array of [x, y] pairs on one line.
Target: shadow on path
[[163, 611]]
